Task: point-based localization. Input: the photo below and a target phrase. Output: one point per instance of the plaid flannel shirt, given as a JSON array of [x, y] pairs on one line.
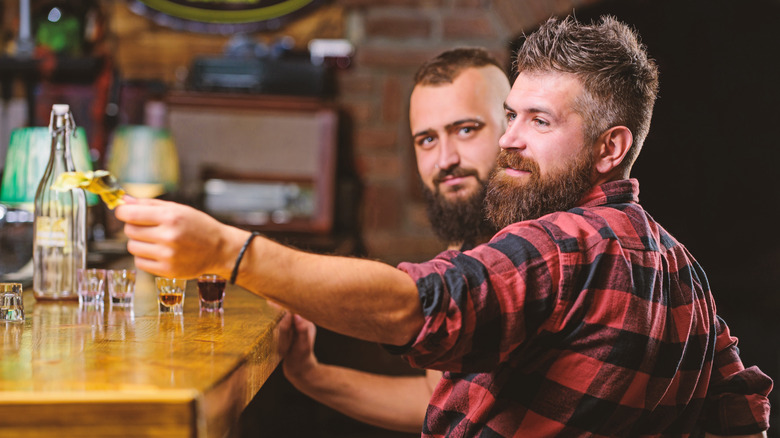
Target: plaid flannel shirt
[[593, 321]]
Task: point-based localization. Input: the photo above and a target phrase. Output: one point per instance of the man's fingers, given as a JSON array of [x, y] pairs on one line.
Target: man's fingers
[[149, 265], [145, 250], [140, 211], [140, 233], [301, 323], [138, 214]]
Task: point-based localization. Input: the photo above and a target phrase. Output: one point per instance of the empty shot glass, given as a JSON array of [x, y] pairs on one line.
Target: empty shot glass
[[211, 290], [91, 286], [170, 294], [121, 286], [11, 302]]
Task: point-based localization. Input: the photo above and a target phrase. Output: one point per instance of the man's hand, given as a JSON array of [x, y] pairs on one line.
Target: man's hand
[[395, 403], [175, 240], [300, 361]]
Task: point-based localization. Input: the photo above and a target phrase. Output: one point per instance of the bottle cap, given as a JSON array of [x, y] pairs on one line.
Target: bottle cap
[[60, 109]]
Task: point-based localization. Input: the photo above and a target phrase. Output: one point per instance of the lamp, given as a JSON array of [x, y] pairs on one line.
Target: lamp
[[28, 153], [144, 160]]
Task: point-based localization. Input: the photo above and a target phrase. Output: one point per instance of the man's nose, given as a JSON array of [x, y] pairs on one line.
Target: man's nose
[[512, 138], [448, 155]]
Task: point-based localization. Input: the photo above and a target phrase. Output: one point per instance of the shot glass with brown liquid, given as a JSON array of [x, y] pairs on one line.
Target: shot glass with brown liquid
[[170, 294], [211, 289]]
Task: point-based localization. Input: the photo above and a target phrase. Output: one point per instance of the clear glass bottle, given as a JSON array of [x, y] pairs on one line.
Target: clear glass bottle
[[60, 229]]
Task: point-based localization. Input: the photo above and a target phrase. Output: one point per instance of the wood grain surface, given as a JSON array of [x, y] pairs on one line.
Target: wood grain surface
[[70, 370]]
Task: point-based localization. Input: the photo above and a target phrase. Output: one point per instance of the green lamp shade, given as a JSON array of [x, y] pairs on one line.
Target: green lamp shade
[[28, 154], [144, 160]]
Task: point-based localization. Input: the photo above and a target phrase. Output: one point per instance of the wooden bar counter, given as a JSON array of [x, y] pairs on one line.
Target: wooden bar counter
[[132, 372]]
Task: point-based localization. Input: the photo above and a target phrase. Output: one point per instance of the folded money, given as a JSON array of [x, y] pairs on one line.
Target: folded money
[[99, 182]]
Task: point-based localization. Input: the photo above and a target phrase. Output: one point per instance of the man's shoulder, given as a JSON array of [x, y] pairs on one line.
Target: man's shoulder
[[577, 221], [584, 227]]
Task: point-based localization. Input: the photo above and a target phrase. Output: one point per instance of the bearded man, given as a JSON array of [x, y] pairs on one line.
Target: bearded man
[[590, 320], [456, 118]]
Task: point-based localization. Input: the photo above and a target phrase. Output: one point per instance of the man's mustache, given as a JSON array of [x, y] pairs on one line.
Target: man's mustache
[[456, 172], [513, 159]]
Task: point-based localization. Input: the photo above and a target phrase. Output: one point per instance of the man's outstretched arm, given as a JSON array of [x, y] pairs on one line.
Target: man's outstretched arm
[[360, 298]]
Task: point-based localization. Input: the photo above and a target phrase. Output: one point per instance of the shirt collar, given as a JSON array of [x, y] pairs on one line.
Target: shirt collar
[[612, 192]]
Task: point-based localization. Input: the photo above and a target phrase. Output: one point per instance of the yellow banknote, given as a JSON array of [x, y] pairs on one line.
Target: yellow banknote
[[99, 182]]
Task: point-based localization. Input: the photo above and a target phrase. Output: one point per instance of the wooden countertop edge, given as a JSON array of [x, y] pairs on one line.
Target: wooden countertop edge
[[222, 404], [112, 396]]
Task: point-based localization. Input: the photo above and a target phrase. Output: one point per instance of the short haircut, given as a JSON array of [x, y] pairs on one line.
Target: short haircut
[[620, 80], [444, 68]]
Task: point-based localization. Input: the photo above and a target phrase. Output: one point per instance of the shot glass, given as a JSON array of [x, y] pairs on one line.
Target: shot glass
[[11, 303], [170, 294], [121, 287], [91, 286], [211, 290]]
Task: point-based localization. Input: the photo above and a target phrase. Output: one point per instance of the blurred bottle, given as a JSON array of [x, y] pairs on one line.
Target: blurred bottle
[[68, 27], [60, 235]]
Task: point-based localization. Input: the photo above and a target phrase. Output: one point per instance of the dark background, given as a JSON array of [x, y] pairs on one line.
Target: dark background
[[708, 170]]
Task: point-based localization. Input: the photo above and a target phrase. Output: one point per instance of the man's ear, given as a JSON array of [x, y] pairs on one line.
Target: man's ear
[[612, 147]]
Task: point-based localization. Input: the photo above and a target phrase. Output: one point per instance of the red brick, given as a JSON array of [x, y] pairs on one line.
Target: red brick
[[473, 26], [483, 4], [393, 101], [381, 207], [382, 138], [375, 168], [417, 215], [396, 247], [395, 57], [563, 7], [360, 112], [541, 10], [353, 83], [411, 25], [413, 183], [516, 16]]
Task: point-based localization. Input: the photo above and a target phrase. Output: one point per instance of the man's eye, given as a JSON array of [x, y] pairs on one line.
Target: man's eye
[[541, 122], [426, 142], [510, 117]]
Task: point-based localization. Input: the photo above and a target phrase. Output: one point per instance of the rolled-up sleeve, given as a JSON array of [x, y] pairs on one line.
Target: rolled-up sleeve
[[481, 304], [737, 401]]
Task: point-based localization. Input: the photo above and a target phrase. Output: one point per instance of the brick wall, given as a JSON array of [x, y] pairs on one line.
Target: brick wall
[[392, 38], [391, 41]]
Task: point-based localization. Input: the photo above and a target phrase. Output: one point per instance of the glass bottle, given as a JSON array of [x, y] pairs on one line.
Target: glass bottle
[[60, 229]]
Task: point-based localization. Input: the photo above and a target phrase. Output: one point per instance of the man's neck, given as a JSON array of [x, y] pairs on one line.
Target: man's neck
[[459, 246], [455, 246]]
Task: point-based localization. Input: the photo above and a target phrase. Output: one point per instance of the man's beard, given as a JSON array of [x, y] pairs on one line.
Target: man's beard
[[461, 220], [511, 200]]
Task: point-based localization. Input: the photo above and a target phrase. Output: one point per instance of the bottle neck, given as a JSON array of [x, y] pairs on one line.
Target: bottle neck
[[61, 128]]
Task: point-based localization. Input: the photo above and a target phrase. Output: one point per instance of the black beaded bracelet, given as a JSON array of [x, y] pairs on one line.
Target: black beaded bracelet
[[234, 274]]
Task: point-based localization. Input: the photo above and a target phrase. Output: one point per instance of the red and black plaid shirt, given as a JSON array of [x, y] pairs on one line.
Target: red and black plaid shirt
[[593, 321]]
